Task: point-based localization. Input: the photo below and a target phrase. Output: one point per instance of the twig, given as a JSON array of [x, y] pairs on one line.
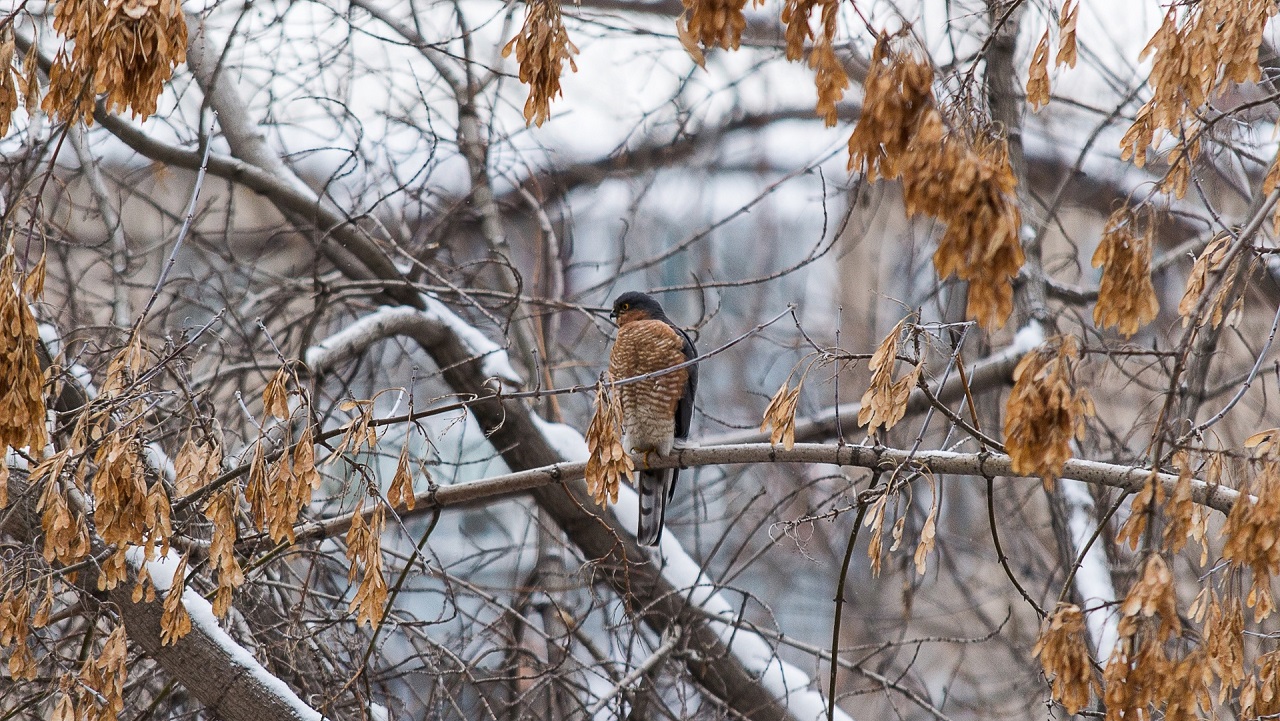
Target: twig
[[1000, 556], [186, 222], [669, 641], [1244, 387], [839, 600]]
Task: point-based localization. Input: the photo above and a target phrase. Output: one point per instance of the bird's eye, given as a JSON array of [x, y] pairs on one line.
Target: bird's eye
[[626, 306]]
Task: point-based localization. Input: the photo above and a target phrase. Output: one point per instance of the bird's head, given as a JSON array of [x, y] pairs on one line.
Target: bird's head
[[634, 306]]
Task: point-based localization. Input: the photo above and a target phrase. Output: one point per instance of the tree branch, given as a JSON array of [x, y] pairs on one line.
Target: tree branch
[[982, 465]]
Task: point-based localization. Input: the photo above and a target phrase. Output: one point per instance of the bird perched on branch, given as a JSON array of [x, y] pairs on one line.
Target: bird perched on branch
[[655, 411]]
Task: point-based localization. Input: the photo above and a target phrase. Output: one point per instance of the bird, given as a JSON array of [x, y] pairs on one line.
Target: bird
[[656, 412]]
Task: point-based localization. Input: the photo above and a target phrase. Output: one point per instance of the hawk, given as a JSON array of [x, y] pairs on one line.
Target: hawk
[[656, 411]]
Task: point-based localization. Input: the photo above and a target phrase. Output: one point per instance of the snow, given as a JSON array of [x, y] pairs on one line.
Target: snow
[[565, 439], [378, 712], [161, 570], [1029, 337], [1093, 579], [375, 325], [783, 680], [495, 363], [53, 343]]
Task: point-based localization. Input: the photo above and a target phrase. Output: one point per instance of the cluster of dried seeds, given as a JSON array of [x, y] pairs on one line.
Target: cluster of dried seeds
[[780, 415], [541, 49], [125, 49], [1207, 268], [220, 509], [1140, 675], [1126, 298], [607, 461], [22, 409], [1064, 655], [885, 401], [711, 23], [364, 550], [1253, 535], [966, 183], [1044, 410], [1198, 48], [15, 614]]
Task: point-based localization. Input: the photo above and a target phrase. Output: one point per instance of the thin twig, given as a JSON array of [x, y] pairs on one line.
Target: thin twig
[[669, 642], [186, 222]]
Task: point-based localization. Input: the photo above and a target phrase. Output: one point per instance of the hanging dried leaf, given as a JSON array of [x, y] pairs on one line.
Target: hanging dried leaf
[[400, 493], [1197, 49], [713, 23], [1067, 21], [1038, 75], [364, 550], [8, 80], [967, 183], [220, 510], [1252, 534], [780, 415], [22, 409], [928, 533], [1210, 260], [885, 401], [830, 79], [275, 397], [176, 621], [196, 465], [126, 49]]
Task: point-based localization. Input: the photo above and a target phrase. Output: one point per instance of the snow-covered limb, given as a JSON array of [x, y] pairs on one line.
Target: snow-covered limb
[[424, 326], [213, 669], [161, 570]]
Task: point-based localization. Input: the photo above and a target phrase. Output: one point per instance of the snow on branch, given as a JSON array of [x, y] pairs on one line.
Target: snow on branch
[[427, 327]]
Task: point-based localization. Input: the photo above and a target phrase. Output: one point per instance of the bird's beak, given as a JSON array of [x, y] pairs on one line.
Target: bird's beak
[[613, 314]]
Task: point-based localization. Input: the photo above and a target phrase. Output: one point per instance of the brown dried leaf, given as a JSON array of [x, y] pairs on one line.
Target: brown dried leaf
[[401, 490], [275, 397], [364, 550], [1038, 75], [1211, 260], [780, 415], [607, 461], [885, 401], [541, 48], [22, 408], [830, 79], [220, 510], [1067, 21]]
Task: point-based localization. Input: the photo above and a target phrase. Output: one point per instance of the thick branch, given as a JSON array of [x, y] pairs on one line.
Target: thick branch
[[220, 675]]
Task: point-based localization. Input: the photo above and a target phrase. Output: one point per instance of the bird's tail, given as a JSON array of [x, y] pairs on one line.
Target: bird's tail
[[655, 487]]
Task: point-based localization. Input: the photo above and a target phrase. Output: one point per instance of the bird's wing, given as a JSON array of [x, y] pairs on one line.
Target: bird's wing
[[684, 409]]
